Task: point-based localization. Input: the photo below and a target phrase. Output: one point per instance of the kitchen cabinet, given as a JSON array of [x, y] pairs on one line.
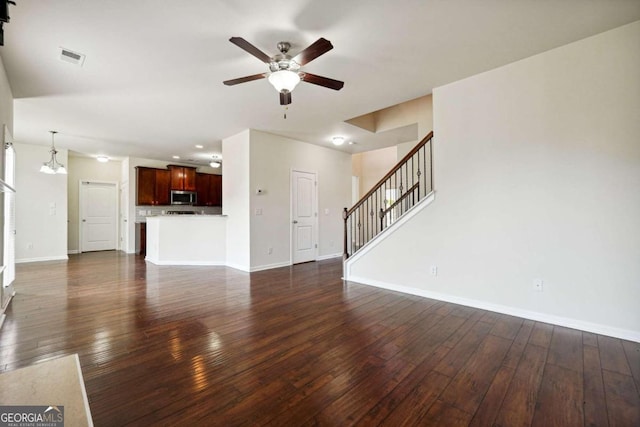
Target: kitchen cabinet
[[152, 186], [209, 188], [142, 236], [183, 178]]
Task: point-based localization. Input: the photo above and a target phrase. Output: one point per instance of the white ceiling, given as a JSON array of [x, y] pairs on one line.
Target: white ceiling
[[151, 85]]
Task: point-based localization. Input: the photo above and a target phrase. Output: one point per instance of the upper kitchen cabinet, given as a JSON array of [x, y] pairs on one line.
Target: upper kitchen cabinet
[[183, 178], [152, 186], [209, 189]]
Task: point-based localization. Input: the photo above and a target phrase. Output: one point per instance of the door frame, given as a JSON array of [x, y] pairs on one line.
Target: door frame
[[123, 216], [80, 201], [315, 216]]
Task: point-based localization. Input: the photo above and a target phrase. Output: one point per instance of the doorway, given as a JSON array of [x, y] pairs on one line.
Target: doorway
[[304, 216], [98, 216]]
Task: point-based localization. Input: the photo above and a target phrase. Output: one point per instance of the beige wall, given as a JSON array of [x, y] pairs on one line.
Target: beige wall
[[272, 160], [236, 199], [371, 166], [41, 205], [85, 169], [537, 169]]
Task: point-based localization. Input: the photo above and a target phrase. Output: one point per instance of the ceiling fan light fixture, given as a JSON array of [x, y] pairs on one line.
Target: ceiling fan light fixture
[[284, 80], [338, 140]]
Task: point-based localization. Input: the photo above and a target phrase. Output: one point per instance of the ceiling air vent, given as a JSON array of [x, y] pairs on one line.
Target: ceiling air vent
[[71, 57]]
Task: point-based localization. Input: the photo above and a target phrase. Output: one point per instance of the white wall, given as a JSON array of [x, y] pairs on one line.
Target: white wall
[[85, 169], [272, 159], [236, 199], [537, 175], [41, 206]]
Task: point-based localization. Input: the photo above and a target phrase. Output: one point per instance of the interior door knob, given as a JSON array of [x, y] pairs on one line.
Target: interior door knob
[[295, 221]]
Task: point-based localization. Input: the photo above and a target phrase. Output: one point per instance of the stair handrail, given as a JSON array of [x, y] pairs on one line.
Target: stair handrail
[[347, 213], [393, 170]]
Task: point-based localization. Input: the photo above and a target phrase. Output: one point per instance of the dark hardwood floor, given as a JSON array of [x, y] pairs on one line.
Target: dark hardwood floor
[[298, 347]]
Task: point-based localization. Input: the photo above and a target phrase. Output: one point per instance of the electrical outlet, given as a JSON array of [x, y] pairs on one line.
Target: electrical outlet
[[538, 285], [269, 251], [29, 246], [434, 270]]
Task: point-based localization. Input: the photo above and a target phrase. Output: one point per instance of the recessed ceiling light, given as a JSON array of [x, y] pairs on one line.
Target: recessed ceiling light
[[102, 159], [176, 157], [199, 146], [338, 140]]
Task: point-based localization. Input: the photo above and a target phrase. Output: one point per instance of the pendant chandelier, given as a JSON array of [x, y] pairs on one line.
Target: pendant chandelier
[[53, 166]]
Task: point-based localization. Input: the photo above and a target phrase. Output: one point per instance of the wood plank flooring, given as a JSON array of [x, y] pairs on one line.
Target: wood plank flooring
[[298, 347]]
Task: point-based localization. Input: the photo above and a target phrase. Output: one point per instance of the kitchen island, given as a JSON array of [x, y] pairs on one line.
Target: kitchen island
[[187, 239]]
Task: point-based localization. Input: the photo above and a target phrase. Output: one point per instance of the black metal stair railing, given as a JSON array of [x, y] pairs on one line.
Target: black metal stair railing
[[410, 181]]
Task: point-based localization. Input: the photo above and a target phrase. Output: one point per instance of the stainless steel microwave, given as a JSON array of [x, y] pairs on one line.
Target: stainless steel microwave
[[183, 197]]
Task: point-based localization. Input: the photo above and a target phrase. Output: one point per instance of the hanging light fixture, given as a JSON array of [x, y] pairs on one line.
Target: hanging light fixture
[[53, 166], [216, 162]]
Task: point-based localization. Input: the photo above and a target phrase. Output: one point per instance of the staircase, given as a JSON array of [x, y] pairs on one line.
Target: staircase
[[406, 184]]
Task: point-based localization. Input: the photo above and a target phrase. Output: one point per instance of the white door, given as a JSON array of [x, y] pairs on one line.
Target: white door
[[98, 213], [304, 216]]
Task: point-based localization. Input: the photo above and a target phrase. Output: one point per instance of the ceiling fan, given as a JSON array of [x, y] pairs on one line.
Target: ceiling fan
[[284, 71]]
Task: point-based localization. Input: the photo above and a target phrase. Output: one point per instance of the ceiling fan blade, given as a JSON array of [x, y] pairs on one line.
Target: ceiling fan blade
[[244, 79], [322, 81], [248, 47], [285, 98], [320, 47]]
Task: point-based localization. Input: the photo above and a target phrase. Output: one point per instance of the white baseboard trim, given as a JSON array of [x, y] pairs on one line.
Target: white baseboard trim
[[329, 256], [582, 325], [239, 267], [73, 252], [55, 258], [85, 400], [270, 266], [192, 263]]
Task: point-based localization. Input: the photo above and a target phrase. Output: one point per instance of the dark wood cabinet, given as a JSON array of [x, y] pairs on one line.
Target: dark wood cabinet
[[183, 178], [142, 236], [209, 188], [163, 191], [152, 186]]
